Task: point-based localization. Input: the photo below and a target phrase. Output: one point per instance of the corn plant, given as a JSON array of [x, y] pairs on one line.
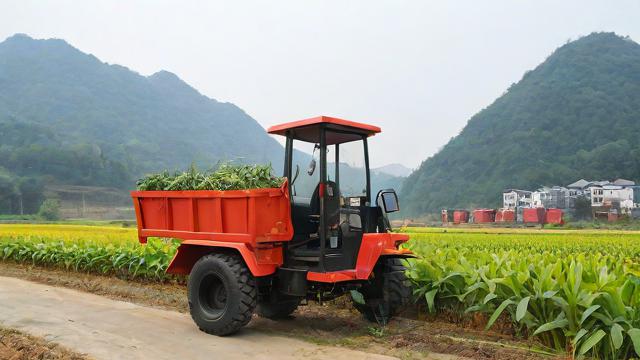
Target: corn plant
[[127, 260], [575, 294]]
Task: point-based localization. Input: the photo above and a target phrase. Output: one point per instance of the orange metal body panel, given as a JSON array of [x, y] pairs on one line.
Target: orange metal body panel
[[481, 216], [505, 216], [460, 216], [215, 215], [554, 216], [533, 215], [260, 261], [374, 245], [248, 221], [281, 129]]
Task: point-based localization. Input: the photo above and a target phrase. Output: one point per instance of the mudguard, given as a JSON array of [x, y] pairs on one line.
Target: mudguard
[[261, 261], [374, 246]]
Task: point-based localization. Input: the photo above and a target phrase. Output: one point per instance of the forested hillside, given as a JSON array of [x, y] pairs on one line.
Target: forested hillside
[[576, 115], [146, 123], [68, 118]]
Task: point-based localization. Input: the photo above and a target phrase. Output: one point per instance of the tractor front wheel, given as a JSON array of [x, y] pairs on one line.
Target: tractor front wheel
[[386, 294], [222, 294]]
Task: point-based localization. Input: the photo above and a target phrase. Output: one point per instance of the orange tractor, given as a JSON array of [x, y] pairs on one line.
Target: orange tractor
[[321, 235]]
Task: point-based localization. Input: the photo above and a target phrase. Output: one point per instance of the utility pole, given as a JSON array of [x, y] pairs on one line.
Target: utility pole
[[84, 205]]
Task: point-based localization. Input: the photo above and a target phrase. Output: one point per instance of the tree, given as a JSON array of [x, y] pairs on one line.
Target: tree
[[583, 208], [50, 210]]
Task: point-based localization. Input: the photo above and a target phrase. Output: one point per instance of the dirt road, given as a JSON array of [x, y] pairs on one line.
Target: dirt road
[[108, 329]]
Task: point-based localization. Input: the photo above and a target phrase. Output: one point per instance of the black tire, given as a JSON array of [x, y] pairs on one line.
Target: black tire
[[222, 294], [276, 310], [387, 293]]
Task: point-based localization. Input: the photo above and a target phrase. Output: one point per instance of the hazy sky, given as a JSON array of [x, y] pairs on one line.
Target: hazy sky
[[418, 69]]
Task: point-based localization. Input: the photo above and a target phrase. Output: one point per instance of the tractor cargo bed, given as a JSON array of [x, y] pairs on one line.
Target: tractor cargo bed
[[252, 217]]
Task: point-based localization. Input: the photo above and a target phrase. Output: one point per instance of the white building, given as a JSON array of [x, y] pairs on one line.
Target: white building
[[512, 198], [539, 198], [612, 195]]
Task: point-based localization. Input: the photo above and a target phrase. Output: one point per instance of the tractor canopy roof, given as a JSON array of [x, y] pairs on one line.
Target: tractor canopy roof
[[309, 130]]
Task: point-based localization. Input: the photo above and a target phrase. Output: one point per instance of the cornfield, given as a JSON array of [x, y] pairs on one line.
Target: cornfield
[[101, 250], [578, 293]]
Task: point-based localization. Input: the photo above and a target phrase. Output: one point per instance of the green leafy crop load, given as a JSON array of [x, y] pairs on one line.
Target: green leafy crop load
[[578, 293], [225, 177]]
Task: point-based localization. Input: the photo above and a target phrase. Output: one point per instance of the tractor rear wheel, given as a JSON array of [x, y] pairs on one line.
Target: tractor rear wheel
[[387, 293], [275, 309], [222, 294]]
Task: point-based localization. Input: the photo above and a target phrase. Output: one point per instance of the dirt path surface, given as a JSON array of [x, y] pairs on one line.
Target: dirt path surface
[[110, 329], [335, 323]]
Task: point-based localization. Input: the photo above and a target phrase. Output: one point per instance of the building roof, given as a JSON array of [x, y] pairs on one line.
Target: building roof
[[580, 184], [600, 183], [623, 182], [517, 191]]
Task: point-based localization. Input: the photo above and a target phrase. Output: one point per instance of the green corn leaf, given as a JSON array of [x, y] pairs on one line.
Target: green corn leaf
[[357, 297], [489, 297], [521, 310], [579, 335], [588, 312], [634, 334], [616, 336], [591, 341], [430, 297], [497, 313], [556, 324]]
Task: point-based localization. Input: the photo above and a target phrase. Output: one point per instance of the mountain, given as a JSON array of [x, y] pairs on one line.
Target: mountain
[[576, 115], [393, 169], [141, 123]]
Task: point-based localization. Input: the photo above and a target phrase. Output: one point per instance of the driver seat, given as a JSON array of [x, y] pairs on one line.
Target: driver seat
[[309, 249]]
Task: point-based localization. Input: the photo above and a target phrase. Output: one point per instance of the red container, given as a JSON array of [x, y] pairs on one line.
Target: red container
[[460, 217], [243, 216], [554, 216], [483, 216], [612, 217], [505, 216], [533, 215]]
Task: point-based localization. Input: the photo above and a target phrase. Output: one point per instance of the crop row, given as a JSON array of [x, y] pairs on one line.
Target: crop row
[[123, 259], [576, 292], [580, 295]]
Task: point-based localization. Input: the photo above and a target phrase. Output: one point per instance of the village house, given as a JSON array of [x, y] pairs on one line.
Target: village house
[[550, 197], [620, 196], [514, 198], [612, 196]]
